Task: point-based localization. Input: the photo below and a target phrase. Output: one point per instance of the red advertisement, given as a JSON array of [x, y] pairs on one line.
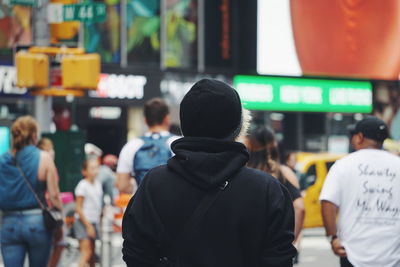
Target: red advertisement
[[341, 38]]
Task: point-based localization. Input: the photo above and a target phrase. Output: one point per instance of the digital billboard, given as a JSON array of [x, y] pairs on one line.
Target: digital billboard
[[143, 32], [4, 139], [300, 94], [104, 37], [347, 38], [181, 34], [15, 29]]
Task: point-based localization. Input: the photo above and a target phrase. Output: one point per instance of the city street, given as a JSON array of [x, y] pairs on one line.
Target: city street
[[315, 251]]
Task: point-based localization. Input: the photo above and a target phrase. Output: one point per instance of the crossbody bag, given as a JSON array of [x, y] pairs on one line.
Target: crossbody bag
[[52, 217]]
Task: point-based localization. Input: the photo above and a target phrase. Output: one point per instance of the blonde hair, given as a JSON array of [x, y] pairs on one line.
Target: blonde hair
[[23, 132], [44, 143]]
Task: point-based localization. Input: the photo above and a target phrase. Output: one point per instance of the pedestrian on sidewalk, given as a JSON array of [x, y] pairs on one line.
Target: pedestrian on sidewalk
[[89, 197], [45, 144], [141, 154], [205, 207], [23, 230], [363, 191], [106, 176], [264, 155]]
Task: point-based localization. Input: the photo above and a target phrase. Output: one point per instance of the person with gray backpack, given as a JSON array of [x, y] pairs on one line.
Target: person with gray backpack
[[140, 155]]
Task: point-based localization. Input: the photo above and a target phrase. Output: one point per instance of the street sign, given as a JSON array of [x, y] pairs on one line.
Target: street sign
[[23, 2], [87, 12], [84, 12]]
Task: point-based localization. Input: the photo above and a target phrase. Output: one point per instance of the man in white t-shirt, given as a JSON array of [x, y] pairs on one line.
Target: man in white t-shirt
[[156, 114], [363, 189]]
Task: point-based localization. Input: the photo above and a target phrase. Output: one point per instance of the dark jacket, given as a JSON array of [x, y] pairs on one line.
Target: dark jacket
[[250, 224]]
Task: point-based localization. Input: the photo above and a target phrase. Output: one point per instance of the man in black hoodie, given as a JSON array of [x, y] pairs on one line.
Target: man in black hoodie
[[205, 208]]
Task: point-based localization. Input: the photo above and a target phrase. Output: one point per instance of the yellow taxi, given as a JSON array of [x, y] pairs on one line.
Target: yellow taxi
[[313, 169]]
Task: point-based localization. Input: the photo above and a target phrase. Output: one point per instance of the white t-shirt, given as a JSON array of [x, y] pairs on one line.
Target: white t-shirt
[[92, 194], [125, 160], [365, 185]]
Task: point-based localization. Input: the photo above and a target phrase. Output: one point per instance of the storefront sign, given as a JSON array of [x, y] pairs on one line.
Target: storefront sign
[[120, 86], [296, 94], [8, 80], [174, 86], [105, 113], [219, 30]]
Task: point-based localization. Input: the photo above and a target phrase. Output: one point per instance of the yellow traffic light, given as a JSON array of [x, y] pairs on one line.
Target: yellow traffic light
[[32, 70], [80, 71], [64, 30]]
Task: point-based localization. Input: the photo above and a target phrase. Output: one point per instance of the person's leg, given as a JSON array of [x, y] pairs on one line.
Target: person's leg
[[92, 262], [58, 247], [38, 238], [85, 248], [55, 255], [13, 249], [344, 262]]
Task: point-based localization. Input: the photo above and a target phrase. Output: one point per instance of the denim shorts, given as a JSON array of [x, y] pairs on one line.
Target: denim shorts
[[24, 233], [80, 231]]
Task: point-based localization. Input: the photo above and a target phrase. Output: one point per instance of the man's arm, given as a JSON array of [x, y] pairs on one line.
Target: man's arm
[[299, 213], [278, 249], [125, 183], [329, 214]]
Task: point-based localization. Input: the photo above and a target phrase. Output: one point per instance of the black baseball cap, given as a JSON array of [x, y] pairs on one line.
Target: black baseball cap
[[371, 127]]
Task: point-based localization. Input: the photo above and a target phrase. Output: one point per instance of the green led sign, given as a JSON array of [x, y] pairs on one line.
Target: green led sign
[[298, 94]]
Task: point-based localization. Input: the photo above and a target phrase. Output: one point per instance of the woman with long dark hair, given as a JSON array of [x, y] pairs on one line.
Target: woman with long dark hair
[[264, 155], [23, 230]]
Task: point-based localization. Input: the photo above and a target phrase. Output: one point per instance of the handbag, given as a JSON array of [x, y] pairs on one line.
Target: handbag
[[52, 217]]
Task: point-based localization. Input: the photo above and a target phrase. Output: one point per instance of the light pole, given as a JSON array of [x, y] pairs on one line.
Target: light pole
[[41, 37]]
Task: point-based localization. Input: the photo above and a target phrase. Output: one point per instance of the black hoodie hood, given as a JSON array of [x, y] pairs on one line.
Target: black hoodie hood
[[207, 162]]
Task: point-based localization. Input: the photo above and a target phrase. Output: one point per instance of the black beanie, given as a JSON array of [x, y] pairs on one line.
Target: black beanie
[[211, 108]]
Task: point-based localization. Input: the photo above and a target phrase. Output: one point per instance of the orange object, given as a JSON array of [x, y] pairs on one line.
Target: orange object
[[57, 92], [69, 220], [56, 50], [121, 203], [356, 38], [123, 200], [65, 30]]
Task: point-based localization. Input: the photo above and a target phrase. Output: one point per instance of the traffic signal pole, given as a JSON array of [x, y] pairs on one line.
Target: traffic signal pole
[[41, 37]]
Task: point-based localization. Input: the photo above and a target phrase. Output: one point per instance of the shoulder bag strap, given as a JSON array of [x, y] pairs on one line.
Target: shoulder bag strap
[[29, 185], [202, 209], [196, 217]]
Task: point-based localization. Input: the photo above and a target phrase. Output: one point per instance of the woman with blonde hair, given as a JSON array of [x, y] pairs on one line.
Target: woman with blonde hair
[[23, 230]]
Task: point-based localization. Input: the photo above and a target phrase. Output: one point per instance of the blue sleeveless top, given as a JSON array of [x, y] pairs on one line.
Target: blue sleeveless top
[[14, 192]]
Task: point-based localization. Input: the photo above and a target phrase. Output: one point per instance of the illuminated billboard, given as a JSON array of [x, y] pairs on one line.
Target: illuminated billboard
[[358, 39], [4, 139], [299, 94]]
